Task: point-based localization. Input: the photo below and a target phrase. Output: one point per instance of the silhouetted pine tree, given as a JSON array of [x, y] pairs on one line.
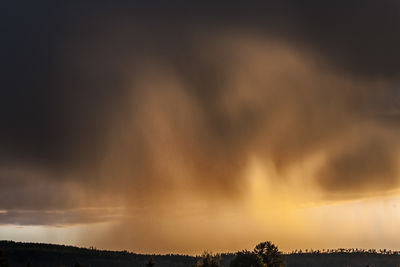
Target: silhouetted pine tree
[[270, 254]]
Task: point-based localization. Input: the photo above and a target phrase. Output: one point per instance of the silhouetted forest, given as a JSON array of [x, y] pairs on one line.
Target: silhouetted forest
[[266, 254]]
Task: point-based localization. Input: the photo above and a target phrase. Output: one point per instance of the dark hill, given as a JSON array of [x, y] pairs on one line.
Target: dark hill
[[46, 255]]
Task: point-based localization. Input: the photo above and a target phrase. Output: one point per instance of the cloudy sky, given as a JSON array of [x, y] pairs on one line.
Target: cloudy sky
[[179, 127]]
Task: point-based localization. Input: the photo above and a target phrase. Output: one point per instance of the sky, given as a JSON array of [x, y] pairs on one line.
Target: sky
[[167, 127]]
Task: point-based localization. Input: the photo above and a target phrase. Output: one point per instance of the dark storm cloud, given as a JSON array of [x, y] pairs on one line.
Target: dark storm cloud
[[369, 164], [50, 104], [161, 82]]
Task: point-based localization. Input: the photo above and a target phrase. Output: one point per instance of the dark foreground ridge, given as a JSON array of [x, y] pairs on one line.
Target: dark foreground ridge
[[18, 254]]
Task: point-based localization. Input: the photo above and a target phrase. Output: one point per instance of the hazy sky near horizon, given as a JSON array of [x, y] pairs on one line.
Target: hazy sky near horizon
[[170, 127]]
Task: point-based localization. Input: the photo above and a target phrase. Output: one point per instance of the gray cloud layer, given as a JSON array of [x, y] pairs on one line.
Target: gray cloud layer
[[125, 99]]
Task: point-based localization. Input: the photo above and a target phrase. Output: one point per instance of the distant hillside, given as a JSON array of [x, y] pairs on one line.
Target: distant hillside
[[46, 255], [20, 254]]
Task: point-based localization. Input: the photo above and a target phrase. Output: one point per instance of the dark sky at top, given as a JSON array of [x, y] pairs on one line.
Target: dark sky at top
[[48, 103]]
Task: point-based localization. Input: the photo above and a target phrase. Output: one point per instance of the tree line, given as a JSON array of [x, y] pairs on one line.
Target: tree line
[[265, 254], [345, 250]]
